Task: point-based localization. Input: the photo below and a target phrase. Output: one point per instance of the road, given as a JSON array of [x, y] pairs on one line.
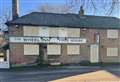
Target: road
[[49, 74]]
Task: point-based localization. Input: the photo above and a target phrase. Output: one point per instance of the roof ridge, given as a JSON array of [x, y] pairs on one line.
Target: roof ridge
[[72, 14], [102, 16]]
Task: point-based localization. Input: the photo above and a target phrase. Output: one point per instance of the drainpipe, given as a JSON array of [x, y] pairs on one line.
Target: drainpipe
[[98, 43]]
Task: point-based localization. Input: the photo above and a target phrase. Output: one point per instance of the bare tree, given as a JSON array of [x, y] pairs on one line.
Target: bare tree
[[102, 7], [5, 17]]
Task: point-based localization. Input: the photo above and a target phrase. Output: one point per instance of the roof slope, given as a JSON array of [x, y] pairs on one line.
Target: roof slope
[[66, 20]]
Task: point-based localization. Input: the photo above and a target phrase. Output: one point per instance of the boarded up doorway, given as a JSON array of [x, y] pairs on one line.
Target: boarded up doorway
[[94, 53]]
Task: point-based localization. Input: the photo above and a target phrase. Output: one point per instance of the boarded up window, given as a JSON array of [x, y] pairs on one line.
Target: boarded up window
[[53, 49], [73, 49], [73, 32], [63, 32], [44, 31], [30, 49], [112, 34], [53, 32], [112, 51], [31, 31]]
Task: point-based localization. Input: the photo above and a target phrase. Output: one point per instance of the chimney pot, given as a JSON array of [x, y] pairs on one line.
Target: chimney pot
[[81, 12]]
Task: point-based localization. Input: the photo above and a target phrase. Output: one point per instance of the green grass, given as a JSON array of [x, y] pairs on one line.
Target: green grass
[[87, 63]]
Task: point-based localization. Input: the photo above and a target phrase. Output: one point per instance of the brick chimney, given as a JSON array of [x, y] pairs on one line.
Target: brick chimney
[[81, 12], [15, 9]]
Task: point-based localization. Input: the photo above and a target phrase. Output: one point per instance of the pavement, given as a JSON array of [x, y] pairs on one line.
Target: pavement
[[97, 76], [61, 74]]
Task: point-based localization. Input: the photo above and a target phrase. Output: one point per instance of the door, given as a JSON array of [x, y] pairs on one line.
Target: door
[[94, 53], [4, 60]]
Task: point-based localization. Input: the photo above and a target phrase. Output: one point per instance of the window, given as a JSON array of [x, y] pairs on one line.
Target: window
[[30, 49], [112, 34], [36, 31], [44, 31], [112, 51], [73, 49], [31, 31], [53, 49], [96, 37], [53, 32], [63, 32], [73, 32]]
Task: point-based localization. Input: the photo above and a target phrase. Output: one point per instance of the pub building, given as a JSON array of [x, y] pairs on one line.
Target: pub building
[[64, 38]]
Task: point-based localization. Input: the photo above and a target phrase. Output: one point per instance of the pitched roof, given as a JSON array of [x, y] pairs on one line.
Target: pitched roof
[[66, 20]]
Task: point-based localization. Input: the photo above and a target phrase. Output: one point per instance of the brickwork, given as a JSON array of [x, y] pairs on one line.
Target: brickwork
[[17, 50]]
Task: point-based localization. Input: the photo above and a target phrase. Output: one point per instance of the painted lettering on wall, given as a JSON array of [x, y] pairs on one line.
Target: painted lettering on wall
[[46, 40]]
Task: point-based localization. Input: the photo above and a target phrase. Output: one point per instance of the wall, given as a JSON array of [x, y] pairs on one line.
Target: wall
[[105, 43], [17, 52]]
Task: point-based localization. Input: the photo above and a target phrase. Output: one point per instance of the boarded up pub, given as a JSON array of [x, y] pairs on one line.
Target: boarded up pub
[[64, 38]]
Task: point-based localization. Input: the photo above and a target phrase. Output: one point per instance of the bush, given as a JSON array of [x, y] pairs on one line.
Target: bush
[[88, 63]]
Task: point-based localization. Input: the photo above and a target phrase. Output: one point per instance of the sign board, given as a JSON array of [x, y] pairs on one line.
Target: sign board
[[46, 40]]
